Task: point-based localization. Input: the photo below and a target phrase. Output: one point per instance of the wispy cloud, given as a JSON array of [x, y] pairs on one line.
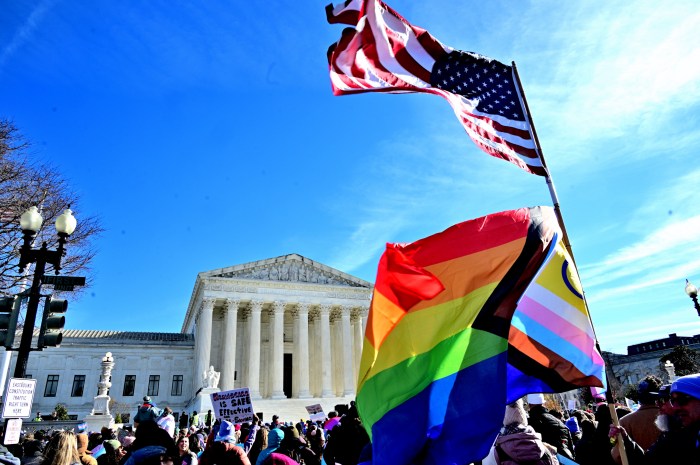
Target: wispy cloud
[[614, 76], [648, 272], [423, 180], [25, 31]]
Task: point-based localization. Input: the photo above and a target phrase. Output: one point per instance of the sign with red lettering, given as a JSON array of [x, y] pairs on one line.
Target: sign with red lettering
[[234, 405]]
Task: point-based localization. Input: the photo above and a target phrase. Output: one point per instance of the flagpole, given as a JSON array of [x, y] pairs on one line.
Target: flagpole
[[565, 238]]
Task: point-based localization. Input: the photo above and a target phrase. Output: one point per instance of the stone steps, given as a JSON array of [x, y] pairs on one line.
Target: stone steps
[[295, 409]]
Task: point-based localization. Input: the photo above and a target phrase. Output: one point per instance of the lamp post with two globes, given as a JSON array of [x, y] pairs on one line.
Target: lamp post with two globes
[[31, 222]]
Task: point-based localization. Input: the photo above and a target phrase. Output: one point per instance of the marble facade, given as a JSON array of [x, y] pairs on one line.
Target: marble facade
[[286, 327]]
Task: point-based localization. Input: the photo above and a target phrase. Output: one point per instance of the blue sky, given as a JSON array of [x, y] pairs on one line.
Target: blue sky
[[205, 135]]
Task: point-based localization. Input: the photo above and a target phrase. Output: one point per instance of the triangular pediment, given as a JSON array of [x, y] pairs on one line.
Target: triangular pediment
[[288, 268]]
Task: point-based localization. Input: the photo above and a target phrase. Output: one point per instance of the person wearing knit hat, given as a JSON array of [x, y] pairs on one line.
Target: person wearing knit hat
[[678, 445], [224, 449], [518, 443], [554, 432], [296, 447], [146, 412], [113, 453]]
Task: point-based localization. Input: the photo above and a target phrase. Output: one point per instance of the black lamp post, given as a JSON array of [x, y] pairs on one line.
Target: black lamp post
[[692, 292], [30, 222]]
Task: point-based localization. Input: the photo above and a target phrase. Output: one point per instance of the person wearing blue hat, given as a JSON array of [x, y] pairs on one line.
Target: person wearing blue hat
[[678, 446], [224, 450]]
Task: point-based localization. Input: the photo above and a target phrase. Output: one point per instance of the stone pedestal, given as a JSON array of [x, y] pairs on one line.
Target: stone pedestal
[[96, 421], [202, 402], [100, 416]]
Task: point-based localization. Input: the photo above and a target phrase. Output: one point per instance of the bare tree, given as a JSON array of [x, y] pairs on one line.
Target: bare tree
[[25, 182]]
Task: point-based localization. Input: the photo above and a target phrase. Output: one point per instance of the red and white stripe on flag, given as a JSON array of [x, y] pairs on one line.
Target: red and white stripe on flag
[[385, 53]]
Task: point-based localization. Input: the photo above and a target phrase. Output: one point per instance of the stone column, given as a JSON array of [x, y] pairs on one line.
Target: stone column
[[100, 416], [324, 320], [102, 408], [358, 338], [346, 344], [203, 340], [302, 349], [254, 349], [277, 350], [228, 368]]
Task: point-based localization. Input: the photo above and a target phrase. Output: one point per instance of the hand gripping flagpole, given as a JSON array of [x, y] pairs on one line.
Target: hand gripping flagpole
[[565, 239]]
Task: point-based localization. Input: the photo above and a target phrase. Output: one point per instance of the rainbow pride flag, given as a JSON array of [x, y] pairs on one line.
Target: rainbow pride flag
[[434, 375]]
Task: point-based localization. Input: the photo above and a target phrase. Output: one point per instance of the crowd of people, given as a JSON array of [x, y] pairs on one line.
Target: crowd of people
[[158, 439], [665, 429]]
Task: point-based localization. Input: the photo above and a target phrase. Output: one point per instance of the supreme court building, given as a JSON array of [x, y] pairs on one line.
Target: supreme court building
[[288, 328]]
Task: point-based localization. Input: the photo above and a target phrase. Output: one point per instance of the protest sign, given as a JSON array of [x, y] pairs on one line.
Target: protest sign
[[234, 405], [316, 412], [13, 430]]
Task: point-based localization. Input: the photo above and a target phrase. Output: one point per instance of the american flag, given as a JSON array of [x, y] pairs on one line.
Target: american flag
[[385, 53]]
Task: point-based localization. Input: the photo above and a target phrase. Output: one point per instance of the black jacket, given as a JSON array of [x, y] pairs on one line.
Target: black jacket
[[553, 430], [674, 447]]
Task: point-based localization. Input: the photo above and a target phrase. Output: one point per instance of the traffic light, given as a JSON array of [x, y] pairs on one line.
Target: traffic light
[[52, 323], [8, 321]]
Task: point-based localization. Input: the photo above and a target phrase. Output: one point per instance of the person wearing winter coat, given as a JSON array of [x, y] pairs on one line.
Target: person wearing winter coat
[[274, 439], [518, 443], [224, 450], [146, 412], [33, 453], [554, 432], [679, 445], [6, 457], [346, 440]]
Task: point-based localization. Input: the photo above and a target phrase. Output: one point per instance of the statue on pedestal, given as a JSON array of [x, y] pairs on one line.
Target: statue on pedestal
[[210, 384], [671, 370], [210, 378]]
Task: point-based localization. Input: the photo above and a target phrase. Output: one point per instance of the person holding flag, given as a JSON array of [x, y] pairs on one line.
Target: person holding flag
[[681, 446]]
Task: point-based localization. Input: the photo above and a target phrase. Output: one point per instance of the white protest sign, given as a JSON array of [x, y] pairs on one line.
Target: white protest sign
[[316, 412], [234, 405], [572, 404], [14, 428], [19, 398]]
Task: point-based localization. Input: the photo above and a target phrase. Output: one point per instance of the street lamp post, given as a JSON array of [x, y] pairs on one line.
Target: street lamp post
[[692, 292], [30, 222]]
